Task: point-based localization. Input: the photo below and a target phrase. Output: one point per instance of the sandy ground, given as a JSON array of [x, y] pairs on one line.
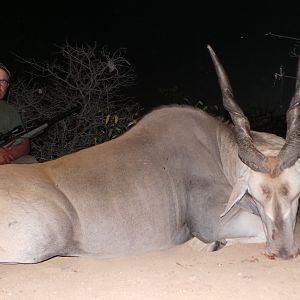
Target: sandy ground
[[239, 271]]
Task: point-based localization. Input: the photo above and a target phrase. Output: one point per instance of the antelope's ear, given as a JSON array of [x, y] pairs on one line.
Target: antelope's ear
[[247, 204], [239, 190]]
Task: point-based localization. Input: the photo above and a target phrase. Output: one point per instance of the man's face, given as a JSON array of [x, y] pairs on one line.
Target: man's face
[[4, 83]]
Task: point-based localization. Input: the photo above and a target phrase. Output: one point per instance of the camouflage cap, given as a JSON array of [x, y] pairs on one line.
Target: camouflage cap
[[3, 67]]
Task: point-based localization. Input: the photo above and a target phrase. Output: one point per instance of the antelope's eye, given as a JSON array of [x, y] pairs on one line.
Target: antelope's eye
[[284, 191], [266, 191]]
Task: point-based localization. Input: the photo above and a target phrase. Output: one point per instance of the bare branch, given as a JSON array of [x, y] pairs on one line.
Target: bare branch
[[86, 75], [283, 36]]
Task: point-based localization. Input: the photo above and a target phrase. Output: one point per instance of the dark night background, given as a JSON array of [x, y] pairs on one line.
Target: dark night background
[[168, 49]]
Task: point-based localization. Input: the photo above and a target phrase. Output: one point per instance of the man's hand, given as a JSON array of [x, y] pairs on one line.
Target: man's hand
[[5, 156]]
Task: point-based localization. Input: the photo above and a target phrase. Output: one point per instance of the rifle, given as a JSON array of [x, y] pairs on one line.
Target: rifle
[[19, 132]]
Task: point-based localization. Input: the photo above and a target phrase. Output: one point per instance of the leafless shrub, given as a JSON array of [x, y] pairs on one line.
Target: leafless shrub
[[86, 76]]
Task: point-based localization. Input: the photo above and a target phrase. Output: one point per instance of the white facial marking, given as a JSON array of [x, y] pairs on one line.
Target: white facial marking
[[276, 194]]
